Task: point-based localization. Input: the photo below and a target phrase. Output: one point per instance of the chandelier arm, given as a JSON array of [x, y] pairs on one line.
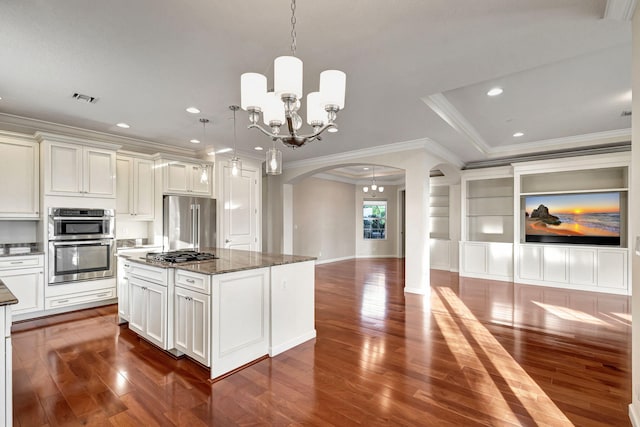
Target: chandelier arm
[[319, 131], [263, 130]]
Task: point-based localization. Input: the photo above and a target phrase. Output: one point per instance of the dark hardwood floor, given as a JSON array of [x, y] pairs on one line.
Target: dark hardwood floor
[[475, 352]]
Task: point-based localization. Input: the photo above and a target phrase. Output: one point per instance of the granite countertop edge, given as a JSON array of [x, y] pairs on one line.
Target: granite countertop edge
[[4, 255], [6, 297], [226, 263]]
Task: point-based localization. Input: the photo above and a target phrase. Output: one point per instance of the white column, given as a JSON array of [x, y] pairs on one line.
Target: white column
[[287, 219], [634, 220], [417, 263]]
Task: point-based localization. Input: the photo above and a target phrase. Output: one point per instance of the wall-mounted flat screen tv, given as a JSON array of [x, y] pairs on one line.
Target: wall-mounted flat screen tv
[[585, 218]]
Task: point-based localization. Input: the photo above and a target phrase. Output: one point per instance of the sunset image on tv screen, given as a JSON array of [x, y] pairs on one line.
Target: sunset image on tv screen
[[588, 214]]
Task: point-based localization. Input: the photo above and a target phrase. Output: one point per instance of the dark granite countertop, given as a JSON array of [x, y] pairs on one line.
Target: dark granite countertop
[[34, 249], [38, 252], [229, 260], [6, 297]]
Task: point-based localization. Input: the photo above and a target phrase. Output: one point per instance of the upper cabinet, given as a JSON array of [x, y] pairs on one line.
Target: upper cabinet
[[79, 170], [19, 177], [181, 177], [134, 183]]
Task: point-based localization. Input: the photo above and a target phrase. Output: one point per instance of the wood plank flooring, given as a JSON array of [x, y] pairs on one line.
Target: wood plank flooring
[[474, 352]]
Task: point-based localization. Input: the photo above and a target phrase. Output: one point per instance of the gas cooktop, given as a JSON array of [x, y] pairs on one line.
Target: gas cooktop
[[180, 256]]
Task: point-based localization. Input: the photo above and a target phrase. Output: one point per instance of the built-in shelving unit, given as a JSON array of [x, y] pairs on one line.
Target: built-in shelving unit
[[439, 212]]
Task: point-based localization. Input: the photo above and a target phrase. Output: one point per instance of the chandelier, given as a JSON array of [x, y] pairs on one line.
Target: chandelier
[[281, 107], [375, 189]]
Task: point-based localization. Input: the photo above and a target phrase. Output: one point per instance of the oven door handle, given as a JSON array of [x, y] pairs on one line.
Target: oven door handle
[[80, 218], [83, 243]]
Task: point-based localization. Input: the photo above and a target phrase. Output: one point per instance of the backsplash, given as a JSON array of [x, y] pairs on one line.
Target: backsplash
[[18, 231]]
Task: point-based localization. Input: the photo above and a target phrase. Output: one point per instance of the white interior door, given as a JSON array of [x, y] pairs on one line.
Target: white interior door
[[240, 210]]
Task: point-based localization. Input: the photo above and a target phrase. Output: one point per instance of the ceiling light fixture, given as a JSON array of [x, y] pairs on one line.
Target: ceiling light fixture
[[204, 175], [235, 163], [123, 125], [518, 134], [375, 189], [193, 110], [258, 148], [495, 91], [195, 141], [281, 106]]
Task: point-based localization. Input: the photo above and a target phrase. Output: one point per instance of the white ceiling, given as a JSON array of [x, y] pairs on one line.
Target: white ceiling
[[565, 71]]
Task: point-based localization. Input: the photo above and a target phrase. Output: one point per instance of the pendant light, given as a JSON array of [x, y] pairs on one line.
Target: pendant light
[[274, 161], [204, 175], [235, 164], [375, 189]]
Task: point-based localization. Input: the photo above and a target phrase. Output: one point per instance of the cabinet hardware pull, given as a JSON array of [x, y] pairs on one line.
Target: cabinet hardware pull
[[126, 266], [17, 262], [62, 301], [101, 295], [191, 281]]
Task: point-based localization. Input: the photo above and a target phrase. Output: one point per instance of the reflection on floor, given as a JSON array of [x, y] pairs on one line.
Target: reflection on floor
[[472, 353]]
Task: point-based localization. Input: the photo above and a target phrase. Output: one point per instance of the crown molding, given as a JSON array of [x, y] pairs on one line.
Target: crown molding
[[454, 118], [438, 150], [620, 10], [336, 178], [32, 126], [568, 143]]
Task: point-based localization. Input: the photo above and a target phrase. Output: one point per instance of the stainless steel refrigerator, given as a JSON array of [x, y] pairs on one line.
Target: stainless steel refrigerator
[[188, 223]]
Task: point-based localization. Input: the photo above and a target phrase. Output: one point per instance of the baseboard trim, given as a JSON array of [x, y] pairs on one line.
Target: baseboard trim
[[634, 416], [416, 291], [378, 256], [274, 351], [327, 261]]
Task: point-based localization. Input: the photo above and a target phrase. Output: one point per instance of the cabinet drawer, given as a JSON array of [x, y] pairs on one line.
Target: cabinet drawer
[[193, 281], [80, 298], [152, 274], [20, 262]]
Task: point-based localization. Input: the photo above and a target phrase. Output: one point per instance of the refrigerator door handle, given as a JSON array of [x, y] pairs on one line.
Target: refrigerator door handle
[[196, 227]]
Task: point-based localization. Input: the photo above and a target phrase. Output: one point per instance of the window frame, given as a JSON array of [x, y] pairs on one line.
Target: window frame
[[375, 202]]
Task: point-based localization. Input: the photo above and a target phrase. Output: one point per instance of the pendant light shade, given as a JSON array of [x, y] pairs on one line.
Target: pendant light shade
[[273, 111], [287, 73], [253, 88], [316, 116], [235, 164], [332, 87], [274, 161]]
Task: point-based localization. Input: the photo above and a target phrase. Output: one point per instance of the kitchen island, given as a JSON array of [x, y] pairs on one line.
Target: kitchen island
[[7, 299], [225, 312]]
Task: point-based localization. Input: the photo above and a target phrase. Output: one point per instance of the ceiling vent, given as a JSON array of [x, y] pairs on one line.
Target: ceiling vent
[[85, 98], [625, 113]]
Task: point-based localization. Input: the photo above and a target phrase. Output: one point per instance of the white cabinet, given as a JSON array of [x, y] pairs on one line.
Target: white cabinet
[[149, 306], [78, 170], [612, 268], [24, 276], [292, 305], [487, 260], [240, 320], [123, 288], [147, 310], [19, 178], [187, 178], [192, 312], [6, 379], [134, 184]]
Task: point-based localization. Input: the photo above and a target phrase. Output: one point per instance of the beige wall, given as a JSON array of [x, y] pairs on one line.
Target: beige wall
[[377, 248], [635, 217], [323, 220]]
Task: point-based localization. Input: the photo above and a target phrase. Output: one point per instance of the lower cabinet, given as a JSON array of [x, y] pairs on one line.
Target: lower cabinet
[[241, 321], [6, 390], [24, 276], [148, 310], [192, 311]]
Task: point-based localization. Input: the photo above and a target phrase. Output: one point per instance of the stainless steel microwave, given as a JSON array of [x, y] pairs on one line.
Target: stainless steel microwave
[[81, 224]]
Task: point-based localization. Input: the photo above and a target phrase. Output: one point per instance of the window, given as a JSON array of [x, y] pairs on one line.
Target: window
[[374, 217]]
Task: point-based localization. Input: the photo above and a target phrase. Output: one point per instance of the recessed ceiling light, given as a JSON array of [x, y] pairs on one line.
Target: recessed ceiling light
[[123, 125], [258, 148], [193, 110], [495, 91], [224, 150], [195, 141], [365, 169], [518, 134]]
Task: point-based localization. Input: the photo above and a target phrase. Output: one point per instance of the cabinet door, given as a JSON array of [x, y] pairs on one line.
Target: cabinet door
[[19, 179], [156, 302], [27, 285], [177, 178], [64, 169], [181, 320], [124, 183], [137, 305], [240, 224], [123, 298], [99, 172], [201, 177], [142, 188], [199, 331]]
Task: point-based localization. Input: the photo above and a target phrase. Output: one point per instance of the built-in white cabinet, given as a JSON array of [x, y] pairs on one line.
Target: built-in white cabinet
[[135, 188], [6, 379], [192, 311], [124, 267], [78, 170], [148, 304], [241, 321], [180, 177], [24, 276], [19, 177]]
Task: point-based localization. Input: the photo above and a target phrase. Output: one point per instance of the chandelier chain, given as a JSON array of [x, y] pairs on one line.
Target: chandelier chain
[[293, 27]]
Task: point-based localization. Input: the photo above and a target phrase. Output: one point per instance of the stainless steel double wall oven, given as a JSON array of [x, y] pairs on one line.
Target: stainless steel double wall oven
[[81, 244]]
